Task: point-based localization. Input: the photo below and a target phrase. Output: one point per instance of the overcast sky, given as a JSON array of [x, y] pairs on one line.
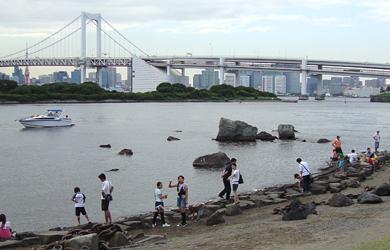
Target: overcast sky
[[356, 30]]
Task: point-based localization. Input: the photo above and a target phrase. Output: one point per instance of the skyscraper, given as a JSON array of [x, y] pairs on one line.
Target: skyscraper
[[18, 75], [75, 76], [280, 84], [268, 83]]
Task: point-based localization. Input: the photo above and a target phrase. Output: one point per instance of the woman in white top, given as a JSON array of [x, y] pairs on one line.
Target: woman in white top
[[234, 179]]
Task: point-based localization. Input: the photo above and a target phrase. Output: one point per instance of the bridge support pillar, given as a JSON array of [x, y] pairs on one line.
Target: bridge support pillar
[[304, 77], [183, 72], [320, 84], [130, 76], [83, 73], [221, 71], [168, 67], [237, 78]]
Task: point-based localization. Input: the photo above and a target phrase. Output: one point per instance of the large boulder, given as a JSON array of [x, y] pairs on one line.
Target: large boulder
[[323, 140], [318, 188], [233, 209], [286, 132], [217, 160], [382, 190], [172, 138], [296, 210], [118, 240], [89, 241], [369, 198], [126, 151], [216, 218], [233, 131], [264, 136], [340, 200]]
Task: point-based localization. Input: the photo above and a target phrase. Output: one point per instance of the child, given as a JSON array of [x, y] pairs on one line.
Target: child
[[342, 163], [159, 205], [79, 200], [298, 181]]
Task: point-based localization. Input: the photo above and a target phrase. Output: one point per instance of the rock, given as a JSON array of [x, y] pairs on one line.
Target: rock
[[172, 138], [232, 131], [152, 238], [318, 189], [264, 136], [22, 235], [353, 183], [51, 236], [210, 209], [215, 218], [369, 198], [246, 204], [382, 190], [323, 140], [126, 151], [217, 160], [135, 224], [335, 187], [113, 170], [118, 240], [89, 241], [340, 200], [261, 200], [9, 244], [232, 210], [286, 132], [298, 211], [105, 146]]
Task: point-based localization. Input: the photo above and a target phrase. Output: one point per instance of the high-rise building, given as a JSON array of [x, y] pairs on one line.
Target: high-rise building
[[268, 83], [196, 81], [44, 79], [208, 78], [293, 85], [280, 84], [60, 76], [92, 77], [18, 75], [4, 76], [230, 79], [75, 76], [312, 83]]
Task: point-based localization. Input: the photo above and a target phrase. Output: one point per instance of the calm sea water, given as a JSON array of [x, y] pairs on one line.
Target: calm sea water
[[40, 167]]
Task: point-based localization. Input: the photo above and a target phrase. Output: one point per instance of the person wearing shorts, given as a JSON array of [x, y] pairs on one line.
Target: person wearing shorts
[[377, 139], [79, 204], [337, 145], [182, 198], [234, 179], [159, 205], [106, 197]]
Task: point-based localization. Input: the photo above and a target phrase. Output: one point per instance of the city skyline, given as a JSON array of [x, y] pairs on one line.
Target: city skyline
[[337, 29]]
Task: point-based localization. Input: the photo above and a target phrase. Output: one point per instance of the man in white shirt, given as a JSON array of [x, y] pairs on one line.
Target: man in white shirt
[[353, 158], [79, 204], [376, 138], [304, 172], [106, 197]]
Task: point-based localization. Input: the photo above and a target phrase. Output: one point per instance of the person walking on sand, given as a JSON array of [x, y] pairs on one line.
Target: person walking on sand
[[337, 145], [159, 205], [304, 172], [182, 198], [79, 204], [377, 139], [235, 180], [226, 183], [106, 197]]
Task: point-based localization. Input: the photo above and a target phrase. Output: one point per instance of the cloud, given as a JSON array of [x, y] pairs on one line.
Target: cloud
[[378, 10]]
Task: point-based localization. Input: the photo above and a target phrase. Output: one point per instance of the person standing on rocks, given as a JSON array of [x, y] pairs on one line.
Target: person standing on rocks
[[304, 172], [159, 205], [182, 198], [377, 139], [79, 204], [235, 178], [337, 145], [226, 183], [106, 197]]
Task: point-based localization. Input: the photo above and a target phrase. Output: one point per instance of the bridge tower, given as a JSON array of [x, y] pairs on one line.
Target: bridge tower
[[85, 17], [26, 71]]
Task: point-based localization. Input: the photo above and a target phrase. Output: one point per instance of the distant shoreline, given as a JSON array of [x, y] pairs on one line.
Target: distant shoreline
[[136, 101]]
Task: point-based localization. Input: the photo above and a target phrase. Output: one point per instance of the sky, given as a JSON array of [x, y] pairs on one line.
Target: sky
[[353, 30]]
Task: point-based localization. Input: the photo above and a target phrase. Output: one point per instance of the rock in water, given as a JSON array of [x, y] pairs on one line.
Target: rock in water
[[369, 198], [89, 241], [299, 211], [172, 138], [382, 190], [215, 218], [217, 160], [264, 136], [234, 131], [340, 200], [126, 151], [105, 146], [323, 140], [286, 132]]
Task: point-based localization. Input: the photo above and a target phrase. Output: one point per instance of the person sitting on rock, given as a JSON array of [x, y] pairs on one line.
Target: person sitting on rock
[[353, 158], [5, 228]]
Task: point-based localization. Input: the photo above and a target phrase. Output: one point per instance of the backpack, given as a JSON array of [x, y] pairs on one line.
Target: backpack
[[240, 180]]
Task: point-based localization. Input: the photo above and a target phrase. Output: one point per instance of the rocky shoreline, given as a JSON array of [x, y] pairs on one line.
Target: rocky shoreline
[[135, 231]]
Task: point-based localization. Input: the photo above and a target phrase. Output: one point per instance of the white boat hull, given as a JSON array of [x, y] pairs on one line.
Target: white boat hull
[[32, 123]]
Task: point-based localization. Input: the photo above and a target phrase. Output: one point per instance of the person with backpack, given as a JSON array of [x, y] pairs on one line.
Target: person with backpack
[[304, 172], [79, 204], [182, 198], [106, 197], [235, 181], [226, 183]]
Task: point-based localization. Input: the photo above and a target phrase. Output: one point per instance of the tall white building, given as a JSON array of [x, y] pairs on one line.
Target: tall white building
[[268, 83], [280, 84], [230, 79]]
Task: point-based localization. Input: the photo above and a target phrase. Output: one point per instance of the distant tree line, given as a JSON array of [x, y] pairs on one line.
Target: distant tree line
[[88, 91]]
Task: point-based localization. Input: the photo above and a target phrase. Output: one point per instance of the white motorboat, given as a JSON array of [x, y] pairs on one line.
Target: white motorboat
[[52, 118]]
